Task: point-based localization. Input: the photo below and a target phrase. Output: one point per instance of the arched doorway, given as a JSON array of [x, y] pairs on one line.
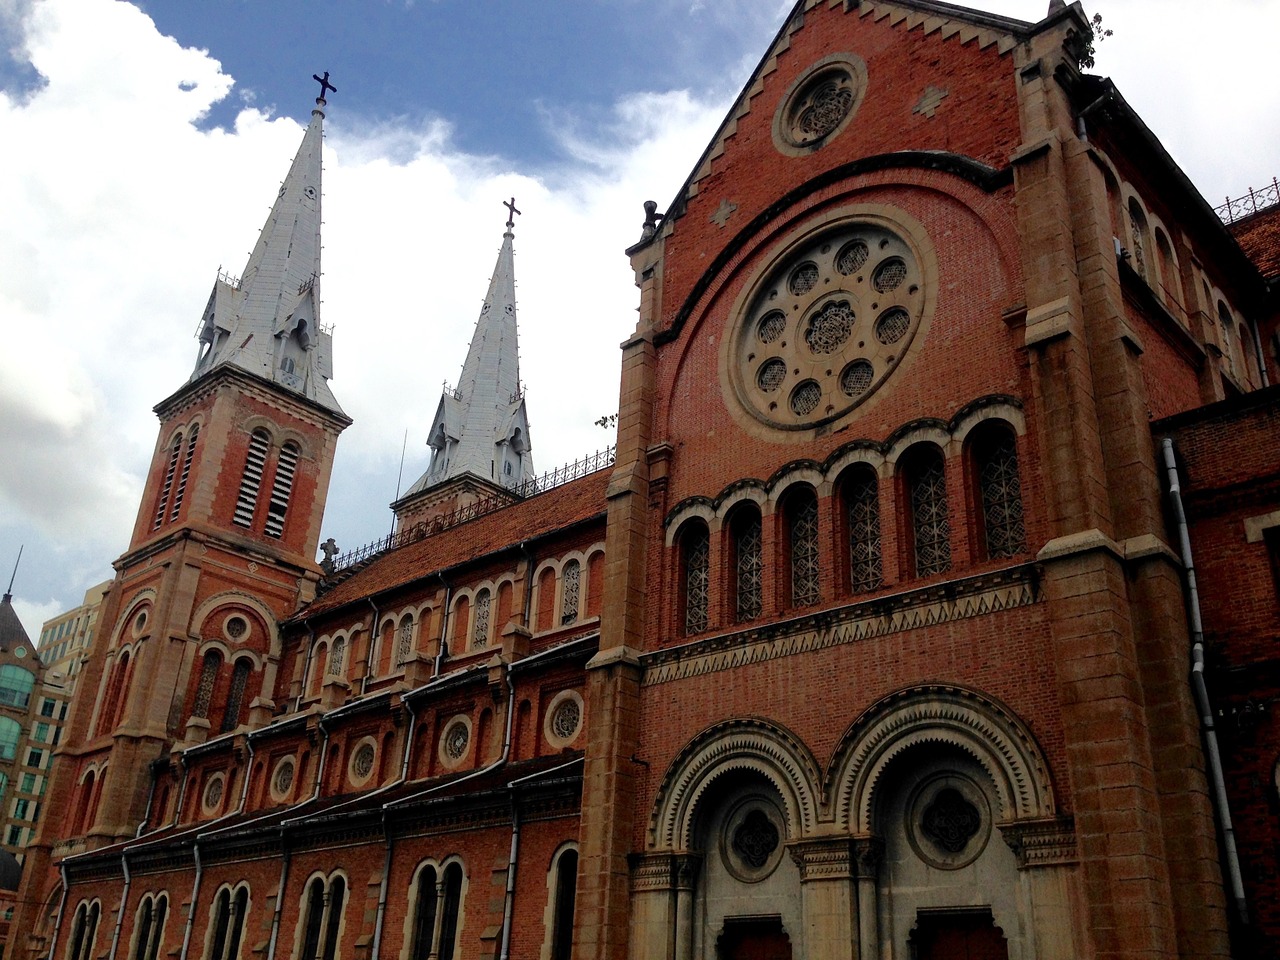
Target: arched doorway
[[753, 938], [958, 935]]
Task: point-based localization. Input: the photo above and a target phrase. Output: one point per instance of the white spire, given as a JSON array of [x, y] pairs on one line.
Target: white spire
[[268, 321], [481, 428]]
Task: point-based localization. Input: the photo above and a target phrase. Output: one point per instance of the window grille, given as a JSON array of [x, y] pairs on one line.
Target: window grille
[[163, 502], [337, 655], [255, 463], [862, 498], [696, 550], [235, 696], [1002, 498], [186, 472], [405, 648], [748, 563], [804, 548], [1138, 229], [280, 490], [480, 636], [208, 677], [572, 575], [930, 525]]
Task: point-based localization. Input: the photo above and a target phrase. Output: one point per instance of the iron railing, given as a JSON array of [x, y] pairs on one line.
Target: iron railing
[[1251, 203], [521, 491]]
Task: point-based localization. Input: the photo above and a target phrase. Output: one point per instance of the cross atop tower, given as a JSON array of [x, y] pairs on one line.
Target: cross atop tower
[[512, 212], [325, 85]]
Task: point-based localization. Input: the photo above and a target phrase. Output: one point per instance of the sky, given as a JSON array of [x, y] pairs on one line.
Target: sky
[[141, 145]]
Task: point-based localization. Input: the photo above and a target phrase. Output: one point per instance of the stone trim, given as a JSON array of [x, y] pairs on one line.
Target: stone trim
[[824, 858], [1048, 842]]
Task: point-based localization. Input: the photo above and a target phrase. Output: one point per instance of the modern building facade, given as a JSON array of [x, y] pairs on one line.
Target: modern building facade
[[874, 636], [65, 639]]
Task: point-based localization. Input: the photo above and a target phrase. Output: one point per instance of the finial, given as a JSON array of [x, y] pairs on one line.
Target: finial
[[512, 212], [325, 85], [8, 594], [651, 219]]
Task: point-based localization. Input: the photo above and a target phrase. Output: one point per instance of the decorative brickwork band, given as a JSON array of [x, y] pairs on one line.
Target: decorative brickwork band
[[1042, 843], [823, 859]]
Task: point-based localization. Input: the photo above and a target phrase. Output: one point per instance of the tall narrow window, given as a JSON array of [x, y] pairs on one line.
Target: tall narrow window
[[404, 650], [338, 656], [996, 463], [930, 525], [314, 919], [83, 930], [186, 472], [452, 904], [748, 563], [110, 704], [229, 911], [322, 917], [254, 464], [802, 540], [562, 911], [480, 633], [235, 696], [280, 490], [163, 503], [862, 506], [333, 923], [424, 915], [572, 576], [150, 927], [695, 551], [1138, 233], [208, 678]]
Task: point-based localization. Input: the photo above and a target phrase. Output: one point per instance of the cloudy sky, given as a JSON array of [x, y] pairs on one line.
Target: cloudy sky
[[141, 146]]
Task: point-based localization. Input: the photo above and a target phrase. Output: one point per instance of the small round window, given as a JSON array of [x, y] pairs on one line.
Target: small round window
[[564, 718], [213, 789], [362, 760], [819, 104], [282, 778], [236, 627], [455, 741]]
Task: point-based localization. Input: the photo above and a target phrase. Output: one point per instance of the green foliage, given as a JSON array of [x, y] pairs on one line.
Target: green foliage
[[1097, 34]]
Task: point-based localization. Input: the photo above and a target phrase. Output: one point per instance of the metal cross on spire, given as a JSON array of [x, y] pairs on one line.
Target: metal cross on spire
[[512, 212], [325, 85]]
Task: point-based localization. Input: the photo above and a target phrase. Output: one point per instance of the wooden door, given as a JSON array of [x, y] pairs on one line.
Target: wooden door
[[754, 939], [959, 936]]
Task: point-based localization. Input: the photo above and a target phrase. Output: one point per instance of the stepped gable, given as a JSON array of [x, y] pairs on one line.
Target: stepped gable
[[540, 514], [1259, 238]]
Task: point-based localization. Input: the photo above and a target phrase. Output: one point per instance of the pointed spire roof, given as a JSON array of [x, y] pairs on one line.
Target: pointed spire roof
[[268, 320], [481, 427], [11, 630]]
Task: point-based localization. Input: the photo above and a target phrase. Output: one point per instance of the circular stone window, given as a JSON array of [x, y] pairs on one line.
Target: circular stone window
[[751, 841], [139, 622], [827, 325], [362, 759], [948, 821], [454, 741], [564, 718], [235, 627], [213, 793], [282, 778], [820, 104]]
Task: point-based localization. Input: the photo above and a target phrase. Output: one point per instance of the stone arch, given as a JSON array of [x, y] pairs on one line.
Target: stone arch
[[748, 744], [144, 599], [965, 719], [235, 598]]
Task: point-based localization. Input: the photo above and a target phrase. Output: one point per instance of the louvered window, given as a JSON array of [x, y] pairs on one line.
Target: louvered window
[[930, 524], [997, 464], [235, 696], [802, 516], [255, 463], [163, 503], [281, 489], [862, 500], [695, 547], [748, 564], [186, 472]]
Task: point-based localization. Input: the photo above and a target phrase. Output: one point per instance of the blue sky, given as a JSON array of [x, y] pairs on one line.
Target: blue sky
[[143, 145]]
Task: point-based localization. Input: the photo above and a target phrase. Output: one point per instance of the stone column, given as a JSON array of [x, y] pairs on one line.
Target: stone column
[[1048, 869], [868, 852], [827, 896], [653, 905]]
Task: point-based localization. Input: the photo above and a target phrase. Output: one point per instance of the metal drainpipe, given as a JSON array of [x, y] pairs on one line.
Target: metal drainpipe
[[284, 877], [124, 901], [368, 664], [444, 627], [1201, 690], [306, 666], [62, 902], [195, 897], [528, 583], [1259, 354], [386, 833], [151, 796], [182, 791], [509, 900], [248, 774]]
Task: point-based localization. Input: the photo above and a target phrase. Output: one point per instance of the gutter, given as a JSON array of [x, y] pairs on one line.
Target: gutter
[[124, 902], [62, 902]]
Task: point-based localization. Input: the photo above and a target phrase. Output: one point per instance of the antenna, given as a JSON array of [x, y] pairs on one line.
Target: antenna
[[8, 594], [400, 476]]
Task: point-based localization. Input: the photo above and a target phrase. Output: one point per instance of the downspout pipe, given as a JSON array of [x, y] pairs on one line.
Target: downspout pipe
[[1258, 353], [151, 797], [373, 637], [195, 899], [286, 856], [306, 667], [390, 840], [1217, 780], [248, 775], [124, 902], [444, 627], [182, 791], [62, 902]]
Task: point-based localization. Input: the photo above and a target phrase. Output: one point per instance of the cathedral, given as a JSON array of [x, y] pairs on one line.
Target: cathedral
[[926, 606]]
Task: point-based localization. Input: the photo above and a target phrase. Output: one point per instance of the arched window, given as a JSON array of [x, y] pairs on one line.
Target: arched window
[[1224, 321], [426, 896], [229, 911], [404, 648], [1169, 278], [801, 515], [84, 927], [862, 524], [563, 890], [322, 917], [1247, 366], [695, 553], [111, 704], [149, 927], [186, 472], [449, 909], [995, 465], [235, 696], [571, 595], [209, 668], [15, 686], [251, 480], [1138, 238], [337, 656], [162, 503], [480, 619], [926, 488], [747, 573], [281, 487], [84, 800]]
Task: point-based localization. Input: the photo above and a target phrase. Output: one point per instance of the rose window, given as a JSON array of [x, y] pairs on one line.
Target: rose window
[[456, 739], [826, 327], [362, 762], [566, 718], [283, 779]]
